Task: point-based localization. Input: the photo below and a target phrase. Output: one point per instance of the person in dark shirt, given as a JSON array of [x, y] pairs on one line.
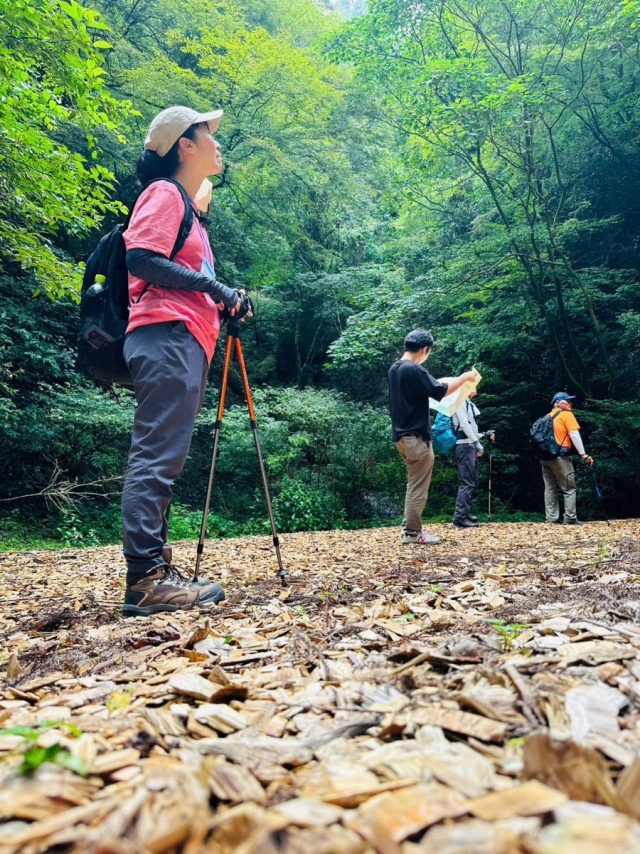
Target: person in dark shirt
[[410, 387]]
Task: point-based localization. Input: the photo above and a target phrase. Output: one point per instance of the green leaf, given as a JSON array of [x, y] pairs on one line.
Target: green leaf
[[26, 732], [71, 762]]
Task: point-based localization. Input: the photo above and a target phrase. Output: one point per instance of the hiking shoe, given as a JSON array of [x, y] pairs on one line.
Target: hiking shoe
[[164, 589], [210, 590], [167, 557], [572, 522], [466, 523], [421, 539], [473, 518]]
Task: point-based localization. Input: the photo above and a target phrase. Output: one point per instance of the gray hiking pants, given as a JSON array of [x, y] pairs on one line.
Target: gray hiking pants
[[559, 476], [169, 370], [418, 457], [466, 457]]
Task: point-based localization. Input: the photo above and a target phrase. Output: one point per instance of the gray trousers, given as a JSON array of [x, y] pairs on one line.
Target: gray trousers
[[559, 476], [466, 457], [418, 457], [169, 370]]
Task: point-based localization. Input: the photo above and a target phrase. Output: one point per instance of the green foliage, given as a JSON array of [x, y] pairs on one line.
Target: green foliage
[[466, 167], [49, 417], [71, 532], [328, 461], [291, 198], [513, 233], [33, 755], [496, 101], [300, 507], [185, 524], [507, 631], [53, 100], [20, 532]]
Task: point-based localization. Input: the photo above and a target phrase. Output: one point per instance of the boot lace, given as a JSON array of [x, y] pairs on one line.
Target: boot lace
[[174, 575]]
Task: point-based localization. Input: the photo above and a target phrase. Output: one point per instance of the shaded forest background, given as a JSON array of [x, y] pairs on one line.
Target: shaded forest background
[[471, 167]]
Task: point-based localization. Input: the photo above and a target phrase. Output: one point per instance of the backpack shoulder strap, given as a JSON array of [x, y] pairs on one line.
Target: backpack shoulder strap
[[187, 218], [185, 225]]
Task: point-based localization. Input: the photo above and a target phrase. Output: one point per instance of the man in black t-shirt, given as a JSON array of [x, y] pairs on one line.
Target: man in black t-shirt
[[410, 387]]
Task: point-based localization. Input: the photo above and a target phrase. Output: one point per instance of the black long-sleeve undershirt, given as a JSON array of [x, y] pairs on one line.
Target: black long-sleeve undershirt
[[159, 270]]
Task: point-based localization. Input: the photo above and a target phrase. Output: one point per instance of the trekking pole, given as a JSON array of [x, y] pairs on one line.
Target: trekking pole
[[214, 455], [490, 473], [598, 492], [282, 572], [233, 339]]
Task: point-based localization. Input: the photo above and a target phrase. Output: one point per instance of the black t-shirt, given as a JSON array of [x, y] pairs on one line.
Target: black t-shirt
[[410, 387]]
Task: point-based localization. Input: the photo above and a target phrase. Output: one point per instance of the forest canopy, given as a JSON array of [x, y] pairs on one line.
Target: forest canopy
[[468, 167]]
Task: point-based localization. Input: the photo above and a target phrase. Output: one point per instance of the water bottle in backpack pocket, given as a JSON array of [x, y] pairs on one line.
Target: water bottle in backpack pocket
[[104, 311], [444, 438]]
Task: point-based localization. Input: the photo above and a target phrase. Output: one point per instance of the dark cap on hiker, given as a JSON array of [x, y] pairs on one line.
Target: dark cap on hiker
[[562, 395], [169, 125]]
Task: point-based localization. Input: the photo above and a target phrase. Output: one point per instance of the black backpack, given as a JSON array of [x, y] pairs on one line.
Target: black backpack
[[543, 438], [104, 303]]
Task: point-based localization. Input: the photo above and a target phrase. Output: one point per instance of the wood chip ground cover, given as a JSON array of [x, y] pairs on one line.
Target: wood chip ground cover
[[478, 696]]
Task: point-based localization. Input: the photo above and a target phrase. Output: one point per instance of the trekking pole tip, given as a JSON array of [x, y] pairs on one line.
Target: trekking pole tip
[[282, 575]]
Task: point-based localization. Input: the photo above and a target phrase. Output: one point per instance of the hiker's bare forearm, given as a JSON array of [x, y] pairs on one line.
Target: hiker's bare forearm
[[467, 377]]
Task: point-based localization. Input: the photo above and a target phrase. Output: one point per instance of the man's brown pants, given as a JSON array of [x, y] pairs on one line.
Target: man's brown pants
[[419, 458]]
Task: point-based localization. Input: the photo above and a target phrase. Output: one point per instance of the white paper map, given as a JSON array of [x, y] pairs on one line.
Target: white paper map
[[452, 402]]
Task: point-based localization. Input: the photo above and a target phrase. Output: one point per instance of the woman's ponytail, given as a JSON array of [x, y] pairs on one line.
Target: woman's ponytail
[[151, 166]]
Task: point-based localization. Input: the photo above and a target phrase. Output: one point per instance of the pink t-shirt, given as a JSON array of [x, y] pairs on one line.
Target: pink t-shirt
[[154, 225]]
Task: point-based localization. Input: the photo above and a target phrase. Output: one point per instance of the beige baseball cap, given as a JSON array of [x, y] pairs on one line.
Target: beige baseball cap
[[169, 125]]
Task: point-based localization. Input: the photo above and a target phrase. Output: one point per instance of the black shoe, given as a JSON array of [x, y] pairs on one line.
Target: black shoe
[[572, 522], [473, 518], [466, 523]]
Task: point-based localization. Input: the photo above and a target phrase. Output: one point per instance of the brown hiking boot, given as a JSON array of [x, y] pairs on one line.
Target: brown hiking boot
[[167, 557], [164, 589]]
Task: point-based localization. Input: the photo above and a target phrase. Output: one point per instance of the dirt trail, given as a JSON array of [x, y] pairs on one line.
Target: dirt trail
[[482, 695]]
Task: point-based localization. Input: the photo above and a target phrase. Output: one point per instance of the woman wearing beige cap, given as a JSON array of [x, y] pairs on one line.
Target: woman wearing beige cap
[[174, 324]]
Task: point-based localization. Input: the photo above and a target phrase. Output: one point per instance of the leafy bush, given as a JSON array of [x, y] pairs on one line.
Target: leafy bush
[[49, 415], [300, 507], [321, 451], [95, 523]]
